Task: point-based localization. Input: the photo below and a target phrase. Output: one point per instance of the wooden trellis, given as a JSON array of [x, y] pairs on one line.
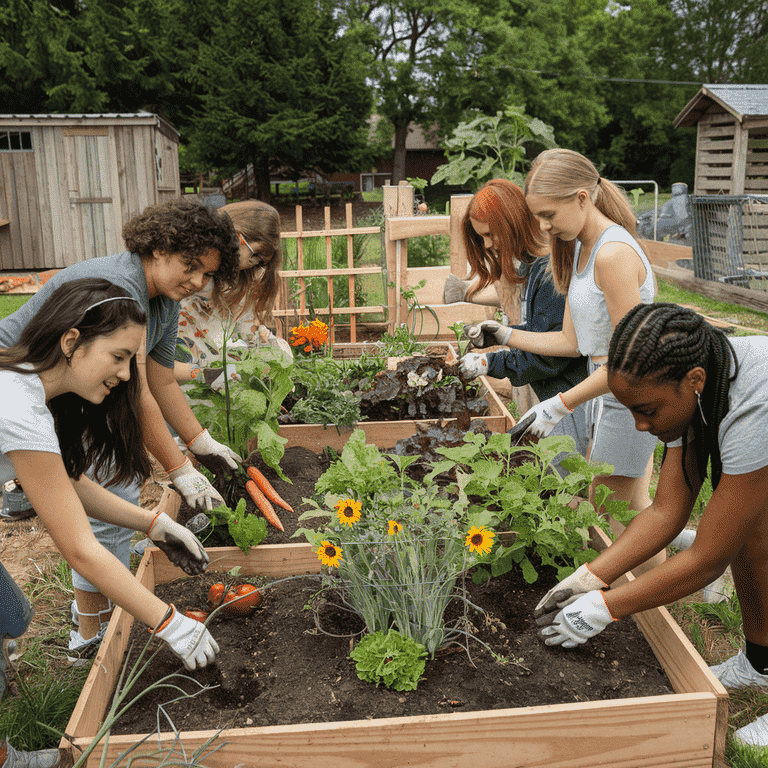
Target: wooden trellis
[[289, 315]]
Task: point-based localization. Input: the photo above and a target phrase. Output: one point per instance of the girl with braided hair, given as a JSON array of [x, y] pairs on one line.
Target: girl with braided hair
[[706, 398]]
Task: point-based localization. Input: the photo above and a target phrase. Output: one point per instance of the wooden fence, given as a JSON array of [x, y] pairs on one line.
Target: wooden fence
[[401, 224]]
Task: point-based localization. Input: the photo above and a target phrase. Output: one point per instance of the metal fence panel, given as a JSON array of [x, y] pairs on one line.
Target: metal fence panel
[[730, 239]]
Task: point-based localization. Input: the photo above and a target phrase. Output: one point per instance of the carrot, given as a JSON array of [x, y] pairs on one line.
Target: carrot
[[263, 504], [267, 489]]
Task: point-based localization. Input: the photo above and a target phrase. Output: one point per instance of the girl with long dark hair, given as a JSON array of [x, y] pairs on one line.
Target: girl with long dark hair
[[68, 399]]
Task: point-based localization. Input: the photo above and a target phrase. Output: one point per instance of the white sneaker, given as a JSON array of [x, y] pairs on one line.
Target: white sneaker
[[737, 672], [755, 734], [718, 591], [684, 539]]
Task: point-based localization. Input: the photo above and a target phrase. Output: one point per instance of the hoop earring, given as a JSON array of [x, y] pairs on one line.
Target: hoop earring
[[701, 410]]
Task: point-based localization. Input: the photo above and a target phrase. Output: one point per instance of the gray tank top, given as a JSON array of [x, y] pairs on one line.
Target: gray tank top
[[589, 312]]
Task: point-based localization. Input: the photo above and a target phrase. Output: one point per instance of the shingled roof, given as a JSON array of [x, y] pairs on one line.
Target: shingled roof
[[739, 100]]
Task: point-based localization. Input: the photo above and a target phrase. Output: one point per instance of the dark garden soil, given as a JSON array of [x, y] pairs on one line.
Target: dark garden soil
[[288, 663]]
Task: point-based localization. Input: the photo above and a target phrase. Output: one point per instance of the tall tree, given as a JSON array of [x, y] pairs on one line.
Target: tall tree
[[723, 41], [279, 86]]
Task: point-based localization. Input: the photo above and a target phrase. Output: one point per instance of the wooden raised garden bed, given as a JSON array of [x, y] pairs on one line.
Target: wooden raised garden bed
[[687, 727], [316, 437]]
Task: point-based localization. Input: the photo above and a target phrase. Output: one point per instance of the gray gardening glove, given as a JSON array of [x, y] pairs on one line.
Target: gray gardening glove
[[214, 377], [582, 580], [455, 289], [180, 545], [472, 365], [189, 640], [488, 333], [195, 489], [213, 455], [576, 623]]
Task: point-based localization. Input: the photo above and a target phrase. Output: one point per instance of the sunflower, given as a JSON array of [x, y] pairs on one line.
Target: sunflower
[[348, 511], [329, 554], [479, 540], [394, 528]]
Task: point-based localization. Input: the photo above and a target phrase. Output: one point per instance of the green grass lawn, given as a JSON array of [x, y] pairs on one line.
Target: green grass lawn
[[10, 303]]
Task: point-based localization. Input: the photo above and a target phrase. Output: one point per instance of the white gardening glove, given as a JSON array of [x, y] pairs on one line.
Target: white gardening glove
[[489, 333], [189, 640], [180, 545], [38, 758], [216, 456], [568, 590], [195, 489], [455, 289], [214, 377], [577, 622], [472, 365], [546, 415]]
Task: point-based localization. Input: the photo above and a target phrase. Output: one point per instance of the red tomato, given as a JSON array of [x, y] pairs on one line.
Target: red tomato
[[250, 600], [216, 594]]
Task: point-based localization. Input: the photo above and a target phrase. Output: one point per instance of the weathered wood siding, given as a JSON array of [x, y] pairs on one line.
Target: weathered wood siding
[[715, 157], [756, 168], [66, 199]]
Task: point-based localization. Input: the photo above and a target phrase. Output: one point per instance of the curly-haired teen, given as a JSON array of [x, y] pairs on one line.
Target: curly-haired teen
[[597, 262], [503, 239], [706, 398], [246, 304], [68, 396], [175, 248]]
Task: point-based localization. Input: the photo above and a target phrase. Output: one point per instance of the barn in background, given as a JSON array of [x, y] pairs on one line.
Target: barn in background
[[69, 182]]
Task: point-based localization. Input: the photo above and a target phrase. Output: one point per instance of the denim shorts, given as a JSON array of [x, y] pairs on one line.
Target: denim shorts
[[114, 537]]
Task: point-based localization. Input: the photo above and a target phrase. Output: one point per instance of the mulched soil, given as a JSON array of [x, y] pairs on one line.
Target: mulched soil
[[278, 667]]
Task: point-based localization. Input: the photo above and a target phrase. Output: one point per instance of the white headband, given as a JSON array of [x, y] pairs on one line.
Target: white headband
[[114, 298]]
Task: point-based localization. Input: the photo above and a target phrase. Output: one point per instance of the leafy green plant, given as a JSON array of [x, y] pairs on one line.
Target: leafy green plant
[[429, 251], [390, 658], [541, 509], [361, 471], [461, 343], [401, 343], [245, 530], [265, 380], [485, 148], [727, 613], [317, 396]]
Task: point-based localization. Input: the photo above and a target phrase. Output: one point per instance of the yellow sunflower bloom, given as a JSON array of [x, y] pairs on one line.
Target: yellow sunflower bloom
[[479, 540], [329, 554], [348, 511], [394, 528]]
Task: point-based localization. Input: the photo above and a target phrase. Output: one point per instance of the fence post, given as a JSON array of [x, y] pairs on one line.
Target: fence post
[[398, 201], [457, 251]]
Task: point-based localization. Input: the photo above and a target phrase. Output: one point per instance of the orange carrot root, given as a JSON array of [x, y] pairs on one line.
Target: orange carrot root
[[263, 505], [267, 489]]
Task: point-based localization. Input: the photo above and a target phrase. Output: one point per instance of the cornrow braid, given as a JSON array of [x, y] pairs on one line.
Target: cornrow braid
[[664, 342]]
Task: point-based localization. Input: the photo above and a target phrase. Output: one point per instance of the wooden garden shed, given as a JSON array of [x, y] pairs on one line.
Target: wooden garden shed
[[69, 182], [732, 138]]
